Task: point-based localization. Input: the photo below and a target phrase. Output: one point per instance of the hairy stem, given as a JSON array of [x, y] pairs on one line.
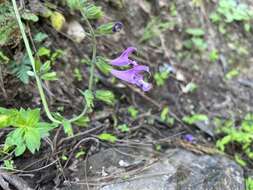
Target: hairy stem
[[37, 78]]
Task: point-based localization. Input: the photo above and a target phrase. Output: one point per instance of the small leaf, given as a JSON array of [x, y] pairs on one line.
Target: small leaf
[[32, 139], [3, 58], [195, 31], [190, 87], [103, 65], [49, 76], [83, 121], [43, 51], [164, 114], [107, 137], [195, 118], [231, 74], [133, 112], [105, 28], [89, 98], [39, 37], [123, 128], [105, 96], [20, 149], [93, 12], [44, 128], [27, 15], [67, 128]]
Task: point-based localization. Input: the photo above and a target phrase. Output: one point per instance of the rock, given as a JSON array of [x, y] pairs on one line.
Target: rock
[[178, 169]]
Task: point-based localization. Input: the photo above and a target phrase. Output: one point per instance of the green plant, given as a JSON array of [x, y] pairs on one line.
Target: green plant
[[190, 87], [8, 164], [155, 27], [249, 183], [78, 74], [195, 118], [165, 116], [133, 112], [88, 11], [8, 25], [28, 129], [214, 55], [161, 77], [196, 40], [241, 135], [232, 74], [231, 11], [21, 69], [107, 137], [106, 96], [123, 128]]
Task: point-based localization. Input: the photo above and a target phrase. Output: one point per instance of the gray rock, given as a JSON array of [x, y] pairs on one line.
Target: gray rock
[[178, 169]]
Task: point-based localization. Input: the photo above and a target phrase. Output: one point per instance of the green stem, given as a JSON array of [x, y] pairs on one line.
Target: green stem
[[94, 49], [38, 80], [29, 52]]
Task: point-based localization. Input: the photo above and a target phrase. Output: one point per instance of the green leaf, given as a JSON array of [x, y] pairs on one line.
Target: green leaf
[[89, 98], [83, 121], [44, 128], [213, 55], [123, 128], [40, 37], [103, 65], [105, 28], [8, 164], [161, 77], [20, 149], [77, 74], [164, 113], [3, 58], [27, 15], [52, 76], [74, 4], [43, 51], [231, 74], [67, 128], [93, 12], [45, 67], [21, 69], [195, 118], [190, 87], [195, 31], [4, 121], [133, 112], [32, 139], [27, 118], [239, 160], [105, 96], [107, 137]]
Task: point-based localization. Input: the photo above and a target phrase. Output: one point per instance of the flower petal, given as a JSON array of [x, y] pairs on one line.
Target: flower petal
[[134, 76], [123, 58]]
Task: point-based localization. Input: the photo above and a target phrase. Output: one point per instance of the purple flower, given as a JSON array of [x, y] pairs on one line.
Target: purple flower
[[189, 138], [117, 27], [134, 76], [123, 59]]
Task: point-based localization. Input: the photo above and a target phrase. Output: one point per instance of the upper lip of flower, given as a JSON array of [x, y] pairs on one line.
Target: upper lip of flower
[[123, 59], [133, 75]]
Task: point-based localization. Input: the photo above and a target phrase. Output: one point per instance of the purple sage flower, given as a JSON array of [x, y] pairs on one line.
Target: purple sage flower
[[134, 76], [189, 138], [117, 27], [123, 59]]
